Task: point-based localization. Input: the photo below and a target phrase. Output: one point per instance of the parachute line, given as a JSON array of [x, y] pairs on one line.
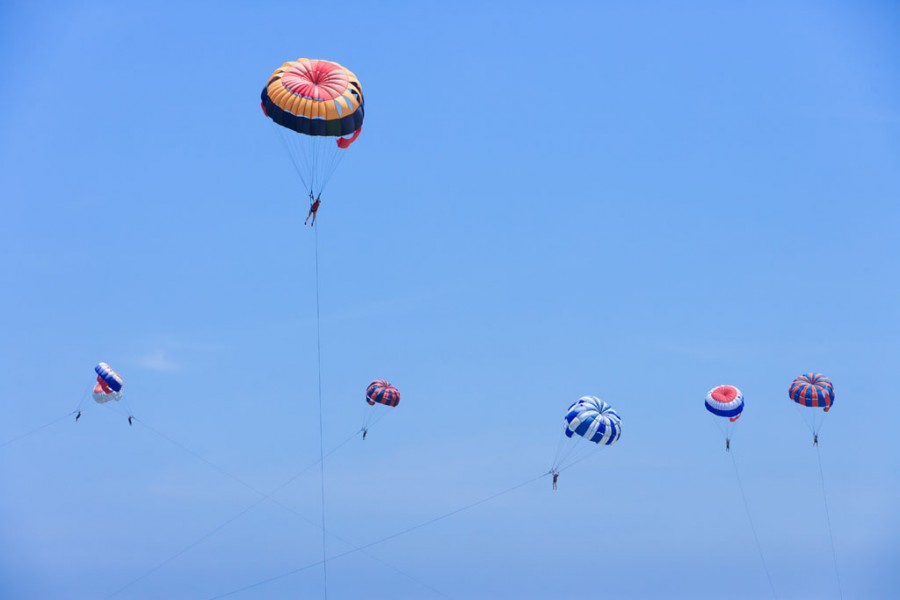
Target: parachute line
[[593, 453], [195, 455], [315, 159], [384, 539], [36, 429], [291, 155], [190, 546], [321, 418], [370, 418], [837, 574], [726, 429], [813, 420], [84, 396], [762, 558], [571, 452], [560, 445], [263, 497]]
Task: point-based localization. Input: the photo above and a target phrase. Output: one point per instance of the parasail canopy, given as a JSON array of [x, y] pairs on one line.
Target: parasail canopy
[[316, 101], [382, 392], [594, 420], [109, 384], [314, 97], [725, 401], [813, 390]]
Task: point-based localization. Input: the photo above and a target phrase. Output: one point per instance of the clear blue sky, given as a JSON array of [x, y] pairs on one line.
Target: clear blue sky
[[638, 201]]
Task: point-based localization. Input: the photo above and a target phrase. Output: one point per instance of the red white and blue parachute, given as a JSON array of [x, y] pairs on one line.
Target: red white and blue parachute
[[109, 384], [725, 401]]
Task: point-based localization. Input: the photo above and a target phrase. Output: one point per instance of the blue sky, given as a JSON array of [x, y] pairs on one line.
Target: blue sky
[[634, 201]]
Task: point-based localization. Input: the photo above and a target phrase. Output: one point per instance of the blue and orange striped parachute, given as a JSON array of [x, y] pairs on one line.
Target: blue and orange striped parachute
[[382, 392], [316, 101], [813, 390]]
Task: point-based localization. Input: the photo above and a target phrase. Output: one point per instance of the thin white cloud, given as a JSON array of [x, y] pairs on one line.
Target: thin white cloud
[[158, 361]]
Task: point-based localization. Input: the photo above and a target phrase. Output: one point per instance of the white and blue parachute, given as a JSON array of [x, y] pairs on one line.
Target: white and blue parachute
[[594, 420]]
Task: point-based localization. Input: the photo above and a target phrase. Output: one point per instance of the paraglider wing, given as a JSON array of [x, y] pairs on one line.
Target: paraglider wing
[[382, 392], [725, 401], [813, 390], [594, 420]]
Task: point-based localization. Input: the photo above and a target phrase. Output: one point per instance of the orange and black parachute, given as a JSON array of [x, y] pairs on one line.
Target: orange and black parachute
[[315, 97], [315, 101]]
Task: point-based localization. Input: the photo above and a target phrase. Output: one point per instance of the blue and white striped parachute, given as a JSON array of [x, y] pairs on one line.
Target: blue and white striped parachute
[[594, 420]]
